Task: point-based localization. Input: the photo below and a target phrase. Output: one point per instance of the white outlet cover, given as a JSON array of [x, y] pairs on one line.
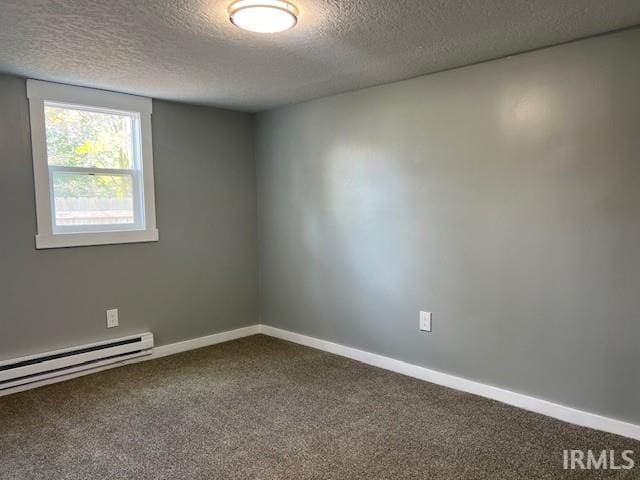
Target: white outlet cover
[[425, 321], [112, 318]]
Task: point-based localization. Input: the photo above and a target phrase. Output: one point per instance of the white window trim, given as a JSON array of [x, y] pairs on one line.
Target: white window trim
[[40, 92]]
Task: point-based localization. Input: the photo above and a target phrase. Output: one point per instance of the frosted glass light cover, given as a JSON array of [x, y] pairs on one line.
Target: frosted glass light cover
[[263, 16]]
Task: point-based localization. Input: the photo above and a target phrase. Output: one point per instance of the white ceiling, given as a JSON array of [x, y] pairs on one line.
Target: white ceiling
[[187, 50]]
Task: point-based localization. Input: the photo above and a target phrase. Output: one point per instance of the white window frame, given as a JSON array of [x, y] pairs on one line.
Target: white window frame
[[139, 109]]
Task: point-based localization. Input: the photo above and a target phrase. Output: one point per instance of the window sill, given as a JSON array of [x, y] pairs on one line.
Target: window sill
[[64, 240]]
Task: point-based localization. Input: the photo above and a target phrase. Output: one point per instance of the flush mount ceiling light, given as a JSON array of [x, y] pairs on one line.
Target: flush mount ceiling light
[[263, 16]]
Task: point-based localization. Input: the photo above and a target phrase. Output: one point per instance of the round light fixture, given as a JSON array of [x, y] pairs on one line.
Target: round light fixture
[[263, 16]]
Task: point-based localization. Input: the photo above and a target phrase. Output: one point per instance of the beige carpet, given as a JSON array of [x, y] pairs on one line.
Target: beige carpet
[[260, 408]]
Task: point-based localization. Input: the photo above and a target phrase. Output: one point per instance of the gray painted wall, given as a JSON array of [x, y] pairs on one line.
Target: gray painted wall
[[199, 279], [504, 197]]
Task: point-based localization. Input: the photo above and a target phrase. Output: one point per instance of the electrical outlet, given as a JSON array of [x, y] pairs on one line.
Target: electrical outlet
[[425, 321], [112, 318]]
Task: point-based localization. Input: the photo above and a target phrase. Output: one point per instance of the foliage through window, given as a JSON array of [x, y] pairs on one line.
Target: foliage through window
[[84, 143]]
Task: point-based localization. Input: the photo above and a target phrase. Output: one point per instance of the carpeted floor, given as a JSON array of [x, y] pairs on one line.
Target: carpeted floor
[[261, 408]]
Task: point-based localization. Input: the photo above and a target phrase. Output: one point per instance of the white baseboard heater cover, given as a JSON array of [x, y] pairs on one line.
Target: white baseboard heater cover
[[23, 370]]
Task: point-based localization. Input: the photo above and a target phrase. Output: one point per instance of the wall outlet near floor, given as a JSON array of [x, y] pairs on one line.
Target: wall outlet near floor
[[112, 318], [425, 321]]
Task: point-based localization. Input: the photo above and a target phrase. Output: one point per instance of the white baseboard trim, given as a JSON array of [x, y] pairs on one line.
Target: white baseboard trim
[[192, 344], [161, 351], [544, 407]]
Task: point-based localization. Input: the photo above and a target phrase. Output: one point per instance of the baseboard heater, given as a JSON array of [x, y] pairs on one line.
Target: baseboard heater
[[42, 366]]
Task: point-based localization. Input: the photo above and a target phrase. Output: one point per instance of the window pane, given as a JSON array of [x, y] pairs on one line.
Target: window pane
[[92, 199], [79, 138]]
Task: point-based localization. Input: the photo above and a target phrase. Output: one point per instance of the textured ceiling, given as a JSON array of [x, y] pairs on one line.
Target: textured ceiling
[[187, 50]]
